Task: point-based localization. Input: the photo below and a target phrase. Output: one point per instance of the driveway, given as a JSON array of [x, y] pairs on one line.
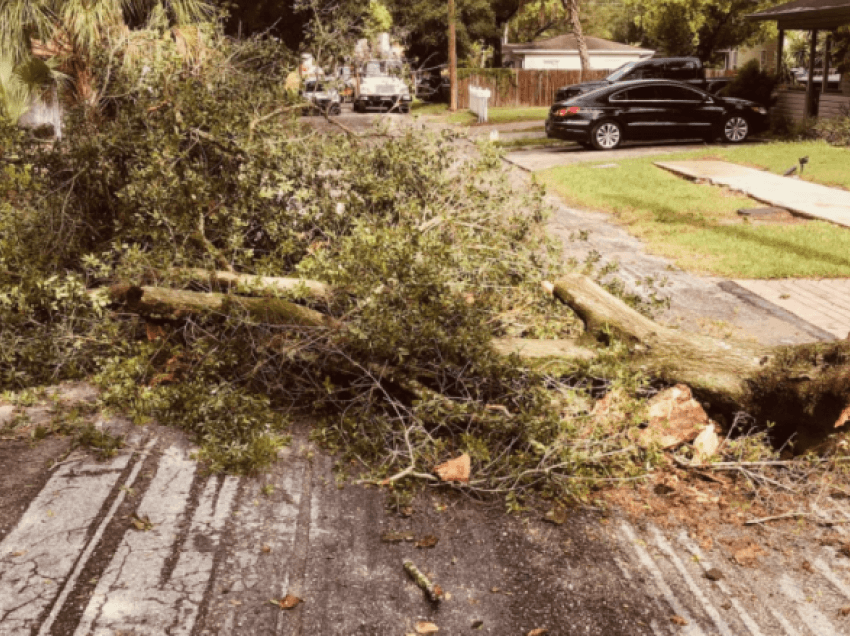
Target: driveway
[[544, 158]]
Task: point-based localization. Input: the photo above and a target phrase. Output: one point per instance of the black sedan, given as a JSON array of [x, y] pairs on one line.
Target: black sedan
[[652, 110]]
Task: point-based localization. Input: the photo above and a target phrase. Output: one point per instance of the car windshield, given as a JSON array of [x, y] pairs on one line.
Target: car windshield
[[315, 87], [618, 74]]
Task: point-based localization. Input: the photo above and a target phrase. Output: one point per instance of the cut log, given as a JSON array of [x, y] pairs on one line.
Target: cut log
[[302, 288], [174, 304]]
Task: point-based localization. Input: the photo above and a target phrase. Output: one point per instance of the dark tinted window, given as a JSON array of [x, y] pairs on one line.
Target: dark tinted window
[[636, 94], [682, 70], [678, 94], [650, 70]]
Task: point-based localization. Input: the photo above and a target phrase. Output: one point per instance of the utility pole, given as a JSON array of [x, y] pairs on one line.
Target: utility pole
[[452, 57]]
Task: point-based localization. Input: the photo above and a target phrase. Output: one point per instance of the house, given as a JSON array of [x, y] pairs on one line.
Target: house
[[561, 52], [812, 16], [764, 52]]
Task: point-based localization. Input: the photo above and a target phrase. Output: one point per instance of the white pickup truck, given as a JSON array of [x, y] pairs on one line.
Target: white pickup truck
[[382, 87]]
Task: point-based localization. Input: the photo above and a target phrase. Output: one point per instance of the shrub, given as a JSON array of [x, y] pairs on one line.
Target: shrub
[[753, 84]]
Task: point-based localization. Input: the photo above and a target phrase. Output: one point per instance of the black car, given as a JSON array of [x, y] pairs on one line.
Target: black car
[[652, 110], [681, 69]]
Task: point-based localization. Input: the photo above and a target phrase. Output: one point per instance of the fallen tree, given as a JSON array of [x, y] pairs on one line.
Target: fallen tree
[[810, 382]]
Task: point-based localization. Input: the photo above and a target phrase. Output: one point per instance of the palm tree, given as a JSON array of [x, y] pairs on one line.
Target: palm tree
[[71, 31]]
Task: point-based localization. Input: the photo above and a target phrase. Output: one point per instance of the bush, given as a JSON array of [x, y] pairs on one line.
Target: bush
[[753, 84], [834, 131]]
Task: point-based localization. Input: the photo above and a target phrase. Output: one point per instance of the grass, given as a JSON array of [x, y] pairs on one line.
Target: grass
[[501, 115], [697, 226], [527, 142]]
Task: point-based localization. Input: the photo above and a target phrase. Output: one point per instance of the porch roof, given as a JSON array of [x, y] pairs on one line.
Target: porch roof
[[807, 15]]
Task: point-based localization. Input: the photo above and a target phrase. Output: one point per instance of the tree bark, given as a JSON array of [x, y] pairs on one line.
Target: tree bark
[[175, 304], [572, 9], [705, 364], [307, 288]]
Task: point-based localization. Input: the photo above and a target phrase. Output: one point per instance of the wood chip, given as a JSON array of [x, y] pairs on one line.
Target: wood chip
[[424, 627], [457, 469]]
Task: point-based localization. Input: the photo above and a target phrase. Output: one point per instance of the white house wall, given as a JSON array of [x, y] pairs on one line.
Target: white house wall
[[571, 62]]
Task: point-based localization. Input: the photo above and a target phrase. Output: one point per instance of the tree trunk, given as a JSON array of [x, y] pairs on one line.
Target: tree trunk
[[175, 304], [572, 9], [301, 287]]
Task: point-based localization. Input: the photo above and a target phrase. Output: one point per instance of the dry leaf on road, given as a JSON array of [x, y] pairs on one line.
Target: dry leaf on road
[[428, 541], [287, 602], [678, 620], [540, 631], [424, 627]]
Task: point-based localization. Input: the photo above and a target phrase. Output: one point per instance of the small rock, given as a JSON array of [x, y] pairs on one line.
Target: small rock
[[714, 574], [477, 624]]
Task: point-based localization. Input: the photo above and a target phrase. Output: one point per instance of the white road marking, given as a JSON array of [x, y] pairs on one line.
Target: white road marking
[[81, 562], [667, 549], [40, 552], [691, 629], [131, 595], [830, 576], [812, 618], [694, 549]]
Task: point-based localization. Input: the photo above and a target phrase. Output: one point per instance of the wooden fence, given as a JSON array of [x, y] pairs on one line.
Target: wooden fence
[[521, 87], [529, 87]]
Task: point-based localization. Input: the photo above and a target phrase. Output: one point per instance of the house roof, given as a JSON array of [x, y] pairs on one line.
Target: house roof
[[807, 14], [568, 43]]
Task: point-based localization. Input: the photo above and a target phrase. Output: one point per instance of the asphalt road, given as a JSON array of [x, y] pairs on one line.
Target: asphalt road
[[145, 543]]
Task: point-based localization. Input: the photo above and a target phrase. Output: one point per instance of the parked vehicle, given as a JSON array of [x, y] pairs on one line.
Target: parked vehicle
[[382, 87], [654, 110], [682, 69], [320, 96]]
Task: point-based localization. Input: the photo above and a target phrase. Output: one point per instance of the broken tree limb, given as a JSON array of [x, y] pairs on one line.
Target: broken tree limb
[[431, 590], [302, 288], [703, 363], [176, 304], [528, 348]]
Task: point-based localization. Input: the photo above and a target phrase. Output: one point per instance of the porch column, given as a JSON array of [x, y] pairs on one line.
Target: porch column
[[810, 110], [826, 48], [779, 46]]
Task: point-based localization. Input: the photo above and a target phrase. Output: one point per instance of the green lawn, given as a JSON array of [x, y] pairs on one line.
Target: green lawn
[[697, 226], [501, 115], [531, 142]]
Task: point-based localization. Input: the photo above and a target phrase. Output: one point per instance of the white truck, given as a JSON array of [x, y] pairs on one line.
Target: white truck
[[382, 87]]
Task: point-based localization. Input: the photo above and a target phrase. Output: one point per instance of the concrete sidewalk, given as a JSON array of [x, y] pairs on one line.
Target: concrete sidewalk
[[807, 199]]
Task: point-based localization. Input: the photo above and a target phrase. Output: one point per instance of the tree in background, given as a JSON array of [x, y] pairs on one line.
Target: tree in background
[[572, 9], [701, 28], [71, 33]]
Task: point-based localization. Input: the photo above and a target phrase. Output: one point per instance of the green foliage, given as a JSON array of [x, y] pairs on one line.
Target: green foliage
[[698, 27], [752, 83], [834, 131]]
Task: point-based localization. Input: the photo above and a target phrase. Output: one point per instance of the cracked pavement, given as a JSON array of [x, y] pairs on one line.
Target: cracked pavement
[[218, 549]]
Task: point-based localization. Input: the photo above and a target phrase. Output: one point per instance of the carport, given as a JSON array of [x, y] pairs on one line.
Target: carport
[[813, 16]]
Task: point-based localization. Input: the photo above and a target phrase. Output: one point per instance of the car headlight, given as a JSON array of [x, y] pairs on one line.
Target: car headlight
[[761, 110]]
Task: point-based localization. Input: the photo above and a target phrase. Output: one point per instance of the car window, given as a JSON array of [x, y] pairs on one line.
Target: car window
[[682, 70], [648, 71], [636, 94], [620, 72], [679, 94]]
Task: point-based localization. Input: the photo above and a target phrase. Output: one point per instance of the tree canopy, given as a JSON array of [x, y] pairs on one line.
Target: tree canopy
[[698, 27]]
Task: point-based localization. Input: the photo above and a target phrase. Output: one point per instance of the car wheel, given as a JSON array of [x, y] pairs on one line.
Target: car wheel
[[606, 135], [336, 109], [405, 109], [358, 107], [735, 129]]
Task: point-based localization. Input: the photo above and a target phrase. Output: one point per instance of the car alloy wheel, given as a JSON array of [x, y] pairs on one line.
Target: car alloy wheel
[[606, 136], [736, 129]]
